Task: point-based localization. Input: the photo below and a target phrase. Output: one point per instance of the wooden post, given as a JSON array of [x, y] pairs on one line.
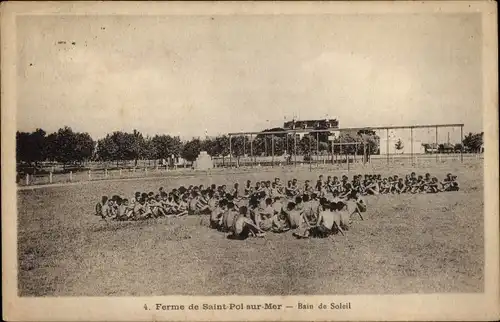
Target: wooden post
[[310, 154], [365, 153], [27, 179], [106, 173], [294, 149], [333, 144], [437, 150], [287, 151], [317, 147], [387, 146], [251, 151], [50, 177], [355, 151], [146, 171], [347, 159], [272, 150], [90, 175], [265, 146], [230, 152], [244, 145], [411, 146], [461, 144]]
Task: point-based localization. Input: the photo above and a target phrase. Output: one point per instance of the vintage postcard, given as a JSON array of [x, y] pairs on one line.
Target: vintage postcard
[[253, 161]]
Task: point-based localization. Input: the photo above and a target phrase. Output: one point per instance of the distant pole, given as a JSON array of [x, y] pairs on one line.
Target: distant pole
[[365, 157], [120, 172], [272, 150], [50, 177], [287, 150], [437, 150], [27, 179], [411, 146], [347, 159], [317, 147], [251, 150], [333, 144], [90, 175], [265, 145], [387, 147], [294, 149], [310, 150], [230, 152], [461, 143]]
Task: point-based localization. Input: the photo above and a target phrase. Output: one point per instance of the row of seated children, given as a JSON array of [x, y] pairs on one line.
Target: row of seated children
[[375, 184], [305, 215], [198, 200]]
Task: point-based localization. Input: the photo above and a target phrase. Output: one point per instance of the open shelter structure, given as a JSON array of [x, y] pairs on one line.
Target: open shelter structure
[[336, 140]]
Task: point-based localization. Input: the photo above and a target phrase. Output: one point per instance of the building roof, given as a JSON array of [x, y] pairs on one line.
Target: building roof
[[312, 124]]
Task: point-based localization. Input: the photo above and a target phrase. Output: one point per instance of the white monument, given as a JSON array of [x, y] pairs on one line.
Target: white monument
[[203, 161]]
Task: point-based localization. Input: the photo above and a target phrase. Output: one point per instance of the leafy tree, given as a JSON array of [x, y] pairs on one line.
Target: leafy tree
[[222, 145], [23, 146], [371, 140], [122, 146], [259, 145], [51, 148], [237, 145], [84, 147], [473, 141], [108, 149], [306, 145], [209, 145], [138, 147], [347, 137], [323, 146], [69, 147], [165, 146], [150, 151], [31, 147], [191, 150], [322, 136], [279, 145], [399, 145]]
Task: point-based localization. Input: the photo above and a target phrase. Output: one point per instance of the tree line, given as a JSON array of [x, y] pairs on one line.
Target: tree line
[[69, 147]]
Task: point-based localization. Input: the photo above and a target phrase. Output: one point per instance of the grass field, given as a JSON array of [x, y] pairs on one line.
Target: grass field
[[406, 244]]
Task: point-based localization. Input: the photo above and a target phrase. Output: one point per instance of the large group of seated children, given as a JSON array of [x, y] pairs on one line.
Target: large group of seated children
[[309, 210]]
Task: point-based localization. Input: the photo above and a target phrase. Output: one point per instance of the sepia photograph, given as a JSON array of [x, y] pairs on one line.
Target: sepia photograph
[[232, 153]]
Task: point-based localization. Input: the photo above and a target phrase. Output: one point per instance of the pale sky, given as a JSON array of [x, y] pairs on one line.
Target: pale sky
[[184, 75]]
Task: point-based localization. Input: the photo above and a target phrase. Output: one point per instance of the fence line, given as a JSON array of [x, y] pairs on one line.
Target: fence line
[[348, 164]]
